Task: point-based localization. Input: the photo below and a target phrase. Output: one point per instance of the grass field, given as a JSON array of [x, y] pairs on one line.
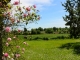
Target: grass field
[[49, 50], [43, 35]]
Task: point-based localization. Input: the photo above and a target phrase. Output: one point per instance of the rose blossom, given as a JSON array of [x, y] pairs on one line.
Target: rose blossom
[[7, 43], [19, 30], [17, 55], [23, 49], [28, 9], [24, 15], [8, 39], [5, 54], [7, 29], [34, 6], [16, 3]]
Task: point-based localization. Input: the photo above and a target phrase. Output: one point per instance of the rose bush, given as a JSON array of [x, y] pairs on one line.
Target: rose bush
[[12, 15]]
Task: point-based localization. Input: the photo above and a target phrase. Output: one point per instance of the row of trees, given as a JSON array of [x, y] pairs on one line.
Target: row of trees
[[40, 30]]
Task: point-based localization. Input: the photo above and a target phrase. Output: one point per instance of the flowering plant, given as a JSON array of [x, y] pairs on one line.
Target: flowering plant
[[11, 15]]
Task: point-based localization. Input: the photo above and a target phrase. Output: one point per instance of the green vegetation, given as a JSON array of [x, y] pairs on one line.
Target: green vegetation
[[44, 36], [72, 19], [40, 30], [50, 50]]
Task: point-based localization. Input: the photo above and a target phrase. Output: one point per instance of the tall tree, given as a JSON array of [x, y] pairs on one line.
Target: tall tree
[[72, 7]]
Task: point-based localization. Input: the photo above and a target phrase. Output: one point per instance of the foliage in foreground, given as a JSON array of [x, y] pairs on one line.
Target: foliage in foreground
[[12, 14]]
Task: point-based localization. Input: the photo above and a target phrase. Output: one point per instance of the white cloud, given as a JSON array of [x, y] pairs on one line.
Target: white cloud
[[39, 3]]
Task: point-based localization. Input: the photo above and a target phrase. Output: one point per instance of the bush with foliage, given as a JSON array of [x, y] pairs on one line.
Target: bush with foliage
[[12, 15]]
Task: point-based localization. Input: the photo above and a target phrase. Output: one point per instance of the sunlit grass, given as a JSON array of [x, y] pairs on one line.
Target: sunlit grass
[[49, 50]]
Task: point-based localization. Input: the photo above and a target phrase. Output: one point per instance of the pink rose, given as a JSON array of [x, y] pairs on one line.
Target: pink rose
[[24, 15], [7, 29], [34, 6], [5, 54], [16, 3], [7, 44], [28, 9], [19, 30], [8, 39], [17, 55]]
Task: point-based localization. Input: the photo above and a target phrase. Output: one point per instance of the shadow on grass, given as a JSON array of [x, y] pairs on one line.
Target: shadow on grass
[[74, 46]]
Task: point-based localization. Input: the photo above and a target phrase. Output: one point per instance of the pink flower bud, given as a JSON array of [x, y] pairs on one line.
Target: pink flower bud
[[34, 6], [24, 42], [16, 3], [17, 55], [7, 29], [19, 8], [19, 30], [23, 49], [5, 54], [18, 46], [8, 39], [24, 15], [7, 44], [28, 9]]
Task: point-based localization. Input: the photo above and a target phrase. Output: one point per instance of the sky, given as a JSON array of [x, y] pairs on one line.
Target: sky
[[51, 13]]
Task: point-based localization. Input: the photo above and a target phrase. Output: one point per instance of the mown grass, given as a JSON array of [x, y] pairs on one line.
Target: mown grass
[[49, 50], [49, 35], [41, 36]]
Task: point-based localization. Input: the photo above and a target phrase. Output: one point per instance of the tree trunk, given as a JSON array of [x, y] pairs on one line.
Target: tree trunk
[[1, 29]]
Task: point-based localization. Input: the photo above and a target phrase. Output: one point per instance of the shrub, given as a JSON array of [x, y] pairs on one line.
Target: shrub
[[45, 38]]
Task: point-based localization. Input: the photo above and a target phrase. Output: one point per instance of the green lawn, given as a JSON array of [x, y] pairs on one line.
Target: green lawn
[[49, 50]]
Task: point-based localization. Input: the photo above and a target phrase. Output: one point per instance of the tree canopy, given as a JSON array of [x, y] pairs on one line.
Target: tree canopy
[[72, 7]]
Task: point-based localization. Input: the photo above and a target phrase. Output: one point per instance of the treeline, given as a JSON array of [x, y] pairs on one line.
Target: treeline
[[40, 30]]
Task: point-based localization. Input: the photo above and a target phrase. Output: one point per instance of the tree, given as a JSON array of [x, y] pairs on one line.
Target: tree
[[38, 31], [25, 31], [54, 29], [49, 30], [73, 17], [40, 28], [33, 31], [8, 19]]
